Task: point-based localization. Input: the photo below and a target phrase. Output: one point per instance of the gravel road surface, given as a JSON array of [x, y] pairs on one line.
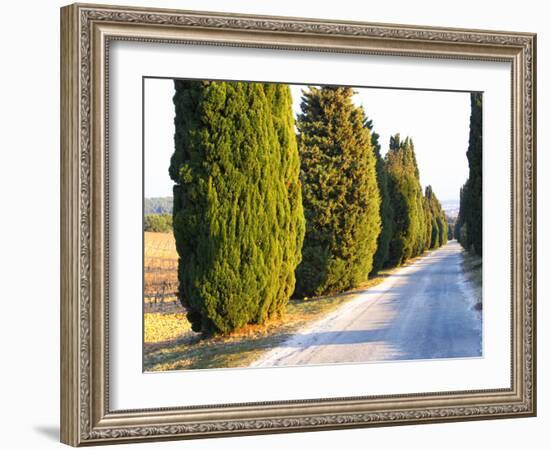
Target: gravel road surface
[[422, 311]]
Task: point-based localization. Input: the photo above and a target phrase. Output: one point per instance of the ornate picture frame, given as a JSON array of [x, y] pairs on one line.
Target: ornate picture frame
[[86, 34]]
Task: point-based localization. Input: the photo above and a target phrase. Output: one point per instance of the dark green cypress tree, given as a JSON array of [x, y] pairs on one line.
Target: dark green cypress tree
[[443, 226], [386, 210], [429, 219], [473, 195], [468, 228], [451, 222], [290, 214], [395, 166], [443, 234], [409, 230], [419, 206], [460, 229], [238, 221], [439, 221], [436, 234], [340, 193], [434, 225]]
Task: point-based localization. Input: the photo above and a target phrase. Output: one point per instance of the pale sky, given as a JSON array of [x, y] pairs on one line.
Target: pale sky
[[438, 123]]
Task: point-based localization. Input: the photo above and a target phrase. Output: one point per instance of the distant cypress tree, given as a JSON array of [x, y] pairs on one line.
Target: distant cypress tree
[[238, 220], [438, 229], [420, 244], [434, 224], [395, 162], [340, 193], [430, 221], [409, 231], [386, 210], [443, 227], [451, 222], [438, 220], [459, 225]]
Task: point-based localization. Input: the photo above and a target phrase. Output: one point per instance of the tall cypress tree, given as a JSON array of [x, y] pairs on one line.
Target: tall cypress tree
[[340, 192], [419, 216], [469, 223], [443, 226], [438, 220], [473, 213], [290, 214], [408, 238], [451, 222], [386, 210], [238, 220], [430, 221], [460, 226]]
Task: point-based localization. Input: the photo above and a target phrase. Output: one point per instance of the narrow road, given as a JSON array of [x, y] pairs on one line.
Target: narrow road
[[421, 311]]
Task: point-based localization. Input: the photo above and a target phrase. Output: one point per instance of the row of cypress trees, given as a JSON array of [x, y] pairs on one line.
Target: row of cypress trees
[[418, 222], [468, 228], [265, 207]]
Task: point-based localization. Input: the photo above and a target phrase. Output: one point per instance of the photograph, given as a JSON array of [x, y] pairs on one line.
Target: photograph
[[291, 223], [305, 224]]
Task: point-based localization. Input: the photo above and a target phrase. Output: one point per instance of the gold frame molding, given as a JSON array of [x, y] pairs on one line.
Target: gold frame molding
[[86, 31]]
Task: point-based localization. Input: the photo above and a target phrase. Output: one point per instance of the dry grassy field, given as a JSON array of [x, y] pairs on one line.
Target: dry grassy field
[[160, 245], [160, 268], [164, 317]]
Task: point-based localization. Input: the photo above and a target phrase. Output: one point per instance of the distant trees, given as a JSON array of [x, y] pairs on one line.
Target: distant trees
[[429, 222], [158, 223], [238, 215], [451, 223], [408, 237], [468, 228], [340, 192], [438, 220], [419, 223], [157, 205], [386, 210], [460, 225]]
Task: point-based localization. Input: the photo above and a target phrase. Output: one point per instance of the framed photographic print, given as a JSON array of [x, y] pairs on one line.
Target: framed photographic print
[[276, 224]]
